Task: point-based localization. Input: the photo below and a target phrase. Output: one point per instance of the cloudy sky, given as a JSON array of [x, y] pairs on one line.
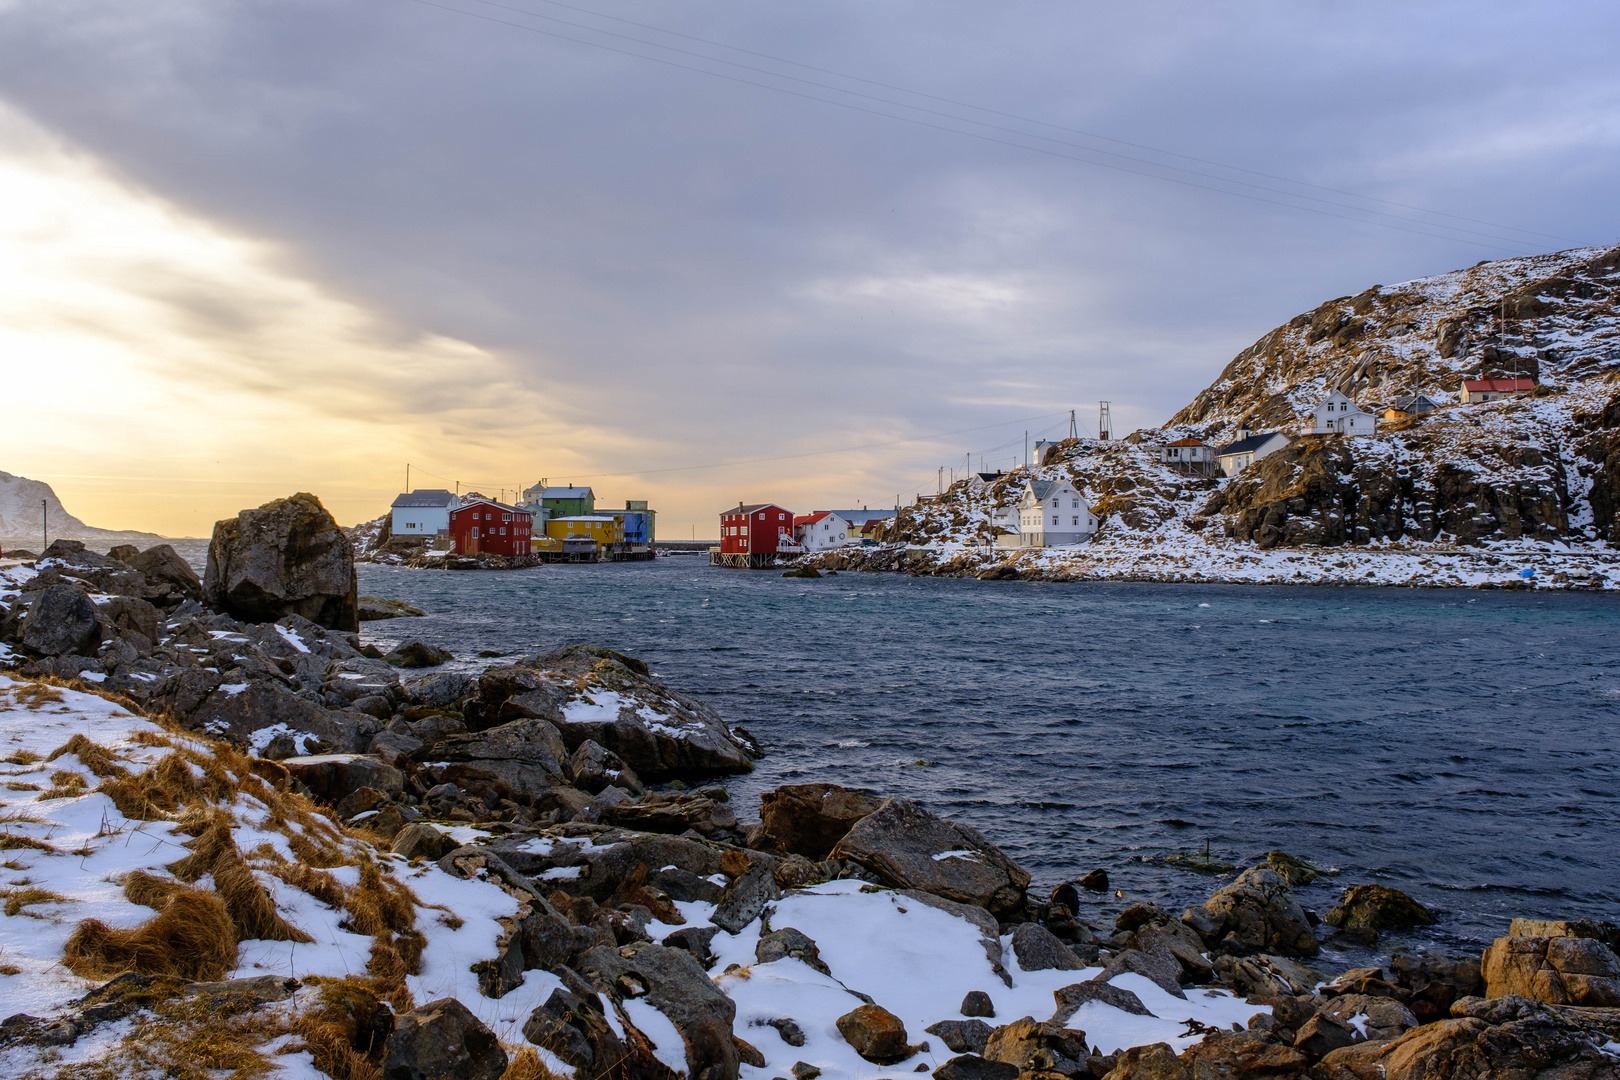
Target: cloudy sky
[[703, 252]]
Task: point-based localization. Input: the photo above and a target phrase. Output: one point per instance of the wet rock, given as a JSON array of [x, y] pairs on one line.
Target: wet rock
[[973, 1067], [910, 848], [1037, 1047], [876, 1034], [288, 557], [1378, 907], [810, 819], [1267, 975], [1296, 872], [442, 1040], [1322, 1033], [520, 760], [416, 653], [1095, 881], [676, 985], [1559, 970], [1070, 998], [978, 1003], [1038, 949], [377, 608], [1243, 1055], [1258, 913], [62, 620], [962, 1036], [1371, 1017], [788, 942]]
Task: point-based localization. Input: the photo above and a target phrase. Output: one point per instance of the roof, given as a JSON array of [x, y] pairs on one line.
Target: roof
[[991, 477], [588, 517], [1253, 442], [1498, 385], [811, 519], [1408, 401], [750, 508], [861, 517], [1043, 488], [423, 497], [564, 493], [1189, 442], [479, 500]]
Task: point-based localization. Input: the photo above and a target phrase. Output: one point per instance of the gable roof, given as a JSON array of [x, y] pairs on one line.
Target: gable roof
[[1188, 442], [1496, 386], [751, 508], [1253, 442], [423, 498], [811, 519], [479, 500], [565, 493], [1042, 489], [861, 517], [1407, 402]]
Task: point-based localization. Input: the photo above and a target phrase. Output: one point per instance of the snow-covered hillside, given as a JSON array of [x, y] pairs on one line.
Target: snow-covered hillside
[[27, 507]]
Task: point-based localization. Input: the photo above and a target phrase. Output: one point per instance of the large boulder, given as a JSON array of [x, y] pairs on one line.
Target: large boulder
[[1559, 970], [675, 984], [331, 778], [1038, 949], [1038, 1047], [1378, 907], [810, 819], [876, 1034], [288, 557], [1258, 913], [520, 760], [250, 713], [442, 1040], [911, 848], [170, 580], [62, 621]]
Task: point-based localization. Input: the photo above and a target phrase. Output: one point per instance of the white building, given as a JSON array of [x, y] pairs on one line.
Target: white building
[[823, 531], [423, 512], [1235, 457], [1337, 414], [1189, 455], [1053, 513]]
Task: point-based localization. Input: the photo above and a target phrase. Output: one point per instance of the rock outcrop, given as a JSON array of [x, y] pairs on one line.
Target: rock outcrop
[[1258, 913], [288, 557]]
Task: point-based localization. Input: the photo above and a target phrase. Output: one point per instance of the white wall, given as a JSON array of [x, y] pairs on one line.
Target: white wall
[[421, 520]]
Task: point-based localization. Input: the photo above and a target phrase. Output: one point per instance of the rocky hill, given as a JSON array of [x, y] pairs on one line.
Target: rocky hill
[[1538, 474], [26, 506]]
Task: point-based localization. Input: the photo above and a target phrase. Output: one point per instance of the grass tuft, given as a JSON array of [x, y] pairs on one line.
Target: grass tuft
[[20, 898], [192, 937], [98, 759]]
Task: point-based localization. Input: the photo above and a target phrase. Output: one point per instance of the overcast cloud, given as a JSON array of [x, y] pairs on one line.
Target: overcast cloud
[[673, 268]]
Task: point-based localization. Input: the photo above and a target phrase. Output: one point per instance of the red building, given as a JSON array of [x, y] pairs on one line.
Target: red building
[[757, 529], [485, 526]]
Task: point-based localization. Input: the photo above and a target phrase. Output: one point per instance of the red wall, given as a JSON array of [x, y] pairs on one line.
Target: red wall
[[761, 535], [488, 520]]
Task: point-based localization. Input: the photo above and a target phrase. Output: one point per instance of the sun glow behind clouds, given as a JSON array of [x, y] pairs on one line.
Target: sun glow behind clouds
[[137, 340]]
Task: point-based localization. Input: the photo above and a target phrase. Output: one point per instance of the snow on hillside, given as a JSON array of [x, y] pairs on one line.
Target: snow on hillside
[[27, 506]]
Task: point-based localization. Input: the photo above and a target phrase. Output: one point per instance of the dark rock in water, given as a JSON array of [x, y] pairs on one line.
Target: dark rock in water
[[803, 572], [1378, 907], [442, 1040], [788, 942], [1259, 913], [910, 848], [876, 1034], [1159, 965], [417, 653], [809, 819], [1070, 998], [1352, 937], [672, 982], [973, 1067], [377, 608], [978, 1003], [1038, 949], [288, 557], [1139, 915], [1296, 872], [62, 620], [962, 1036], [1096, 881]]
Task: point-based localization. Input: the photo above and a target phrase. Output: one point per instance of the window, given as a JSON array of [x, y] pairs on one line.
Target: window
[[1077, 504], [1077, 521], [475, 532], [503, 530], [1054, 519]]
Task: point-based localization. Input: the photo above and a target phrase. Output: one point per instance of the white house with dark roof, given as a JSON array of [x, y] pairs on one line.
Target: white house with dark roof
[[423, 512], [1053, 513], [1237, 456], [1339, 415]]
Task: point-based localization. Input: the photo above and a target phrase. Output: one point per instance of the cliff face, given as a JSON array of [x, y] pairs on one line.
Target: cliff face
[[1544, 467]]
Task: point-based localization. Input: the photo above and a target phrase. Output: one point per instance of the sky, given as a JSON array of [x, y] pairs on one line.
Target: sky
[[703, 253]]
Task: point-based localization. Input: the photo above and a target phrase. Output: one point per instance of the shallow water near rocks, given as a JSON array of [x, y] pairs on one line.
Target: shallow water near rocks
[[1456, 744]]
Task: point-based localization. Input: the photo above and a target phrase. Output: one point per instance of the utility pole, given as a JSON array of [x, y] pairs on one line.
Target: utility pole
[[44, 525], [1105, 421], [1026, 448], [407, 478]]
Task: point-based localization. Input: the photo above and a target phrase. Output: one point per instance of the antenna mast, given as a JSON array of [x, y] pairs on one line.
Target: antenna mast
[[1074, 427], [1105, 422]]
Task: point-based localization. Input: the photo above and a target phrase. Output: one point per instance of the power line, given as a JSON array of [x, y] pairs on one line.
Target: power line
[[1424, 228], [1016, 116]]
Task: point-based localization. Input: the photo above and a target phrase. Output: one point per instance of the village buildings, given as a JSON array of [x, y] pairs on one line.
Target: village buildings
[[821, 531], [1248, 449], [424, 512], [1053, 513], [1189, 456], [1410, 405]]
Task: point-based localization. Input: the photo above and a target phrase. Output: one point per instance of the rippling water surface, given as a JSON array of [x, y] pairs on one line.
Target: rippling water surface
[[1456, 744]]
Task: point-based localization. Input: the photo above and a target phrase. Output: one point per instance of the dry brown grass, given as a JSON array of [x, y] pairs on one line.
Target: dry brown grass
[[192, 937], [317, 883], [149, 890], [36, 695], [252, 912], [64, 785], [15, 842], [101, 762], [19, 898], [80, 686], [22, 757], [346, 1030], [525, 1064]]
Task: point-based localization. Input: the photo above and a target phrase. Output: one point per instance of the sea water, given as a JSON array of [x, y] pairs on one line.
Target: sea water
[[1459, 745]]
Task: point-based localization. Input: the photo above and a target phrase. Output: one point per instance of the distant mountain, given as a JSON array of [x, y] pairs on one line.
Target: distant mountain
[[27, 505]]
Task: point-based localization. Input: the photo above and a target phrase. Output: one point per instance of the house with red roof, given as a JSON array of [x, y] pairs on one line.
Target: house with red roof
[[822, 531], [1189, 456], [484, 526], [1495, 389]]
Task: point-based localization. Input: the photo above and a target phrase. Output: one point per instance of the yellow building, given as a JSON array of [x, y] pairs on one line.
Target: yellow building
[[600, 528]]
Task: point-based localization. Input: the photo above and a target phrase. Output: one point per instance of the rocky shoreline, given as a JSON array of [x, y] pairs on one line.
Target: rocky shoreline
[[352, 865]]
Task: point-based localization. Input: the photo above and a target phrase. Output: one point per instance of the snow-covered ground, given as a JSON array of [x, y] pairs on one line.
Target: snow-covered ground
[[69, 850]]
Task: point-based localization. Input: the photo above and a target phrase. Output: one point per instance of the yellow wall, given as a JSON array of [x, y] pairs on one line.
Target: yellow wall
[[603, 532]]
